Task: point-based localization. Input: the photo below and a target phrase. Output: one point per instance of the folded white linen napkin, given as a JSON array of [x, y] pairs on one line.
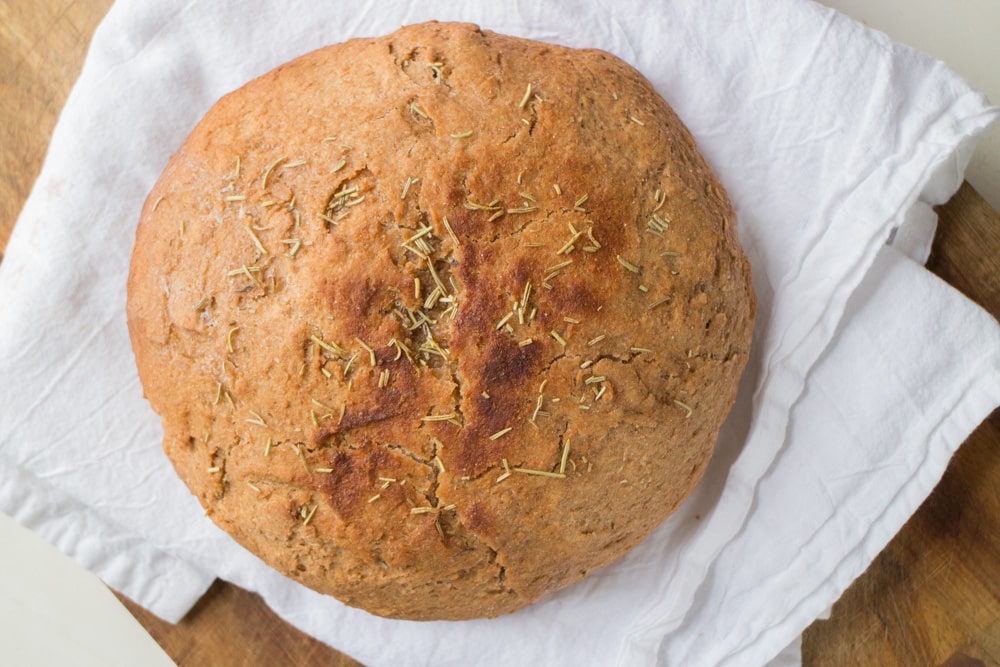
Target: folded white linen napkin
[[867, 372]]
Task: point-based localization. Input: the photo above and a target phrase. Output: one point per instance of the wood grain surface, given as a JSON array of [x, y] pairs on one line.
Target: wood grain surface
[[932, 597]]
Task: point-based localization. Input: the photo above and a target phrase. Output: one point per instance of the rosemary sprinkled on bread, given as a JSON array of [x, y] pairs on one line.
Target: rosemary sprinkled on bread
[[413, 337]]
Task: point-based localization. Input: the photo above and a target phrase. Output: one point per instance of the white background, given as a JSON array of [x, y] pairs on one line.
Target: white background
[[54, 613]]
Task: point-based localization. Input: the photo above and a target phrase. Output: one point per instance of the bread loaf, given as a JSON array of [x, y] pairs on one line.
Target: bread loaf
[[440, 322]]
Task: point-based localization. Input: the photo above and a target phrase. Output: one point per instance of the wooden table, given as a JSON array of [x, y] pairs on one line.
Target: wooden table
[[932, 597]]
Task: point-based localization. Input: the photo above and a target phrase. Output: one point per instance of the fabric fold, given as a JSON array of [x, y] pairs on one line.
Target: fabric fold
[[130, 564], [884, 327]]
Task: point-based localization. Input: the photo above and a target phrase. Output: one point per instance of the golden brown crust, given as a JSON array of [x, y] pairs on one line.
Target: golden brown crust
[[363, 393]]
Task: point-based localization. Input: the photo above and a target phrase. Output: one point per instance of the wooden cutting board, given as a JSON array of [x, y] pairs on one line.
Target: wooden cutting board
[[932, 597]]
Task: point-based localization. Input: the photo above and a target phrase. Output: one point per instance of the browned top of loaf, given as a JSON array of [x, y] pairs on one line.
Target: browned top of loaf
[[440, 322]]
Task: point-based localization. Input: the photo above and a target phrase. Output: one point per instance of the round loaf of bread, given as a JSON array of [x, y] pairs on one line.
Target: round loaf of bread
[[440, 322]]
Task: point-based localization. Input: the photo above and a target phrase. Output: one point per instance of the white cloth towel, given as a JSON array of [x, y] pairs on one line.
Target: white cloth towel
[[867, 371]]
